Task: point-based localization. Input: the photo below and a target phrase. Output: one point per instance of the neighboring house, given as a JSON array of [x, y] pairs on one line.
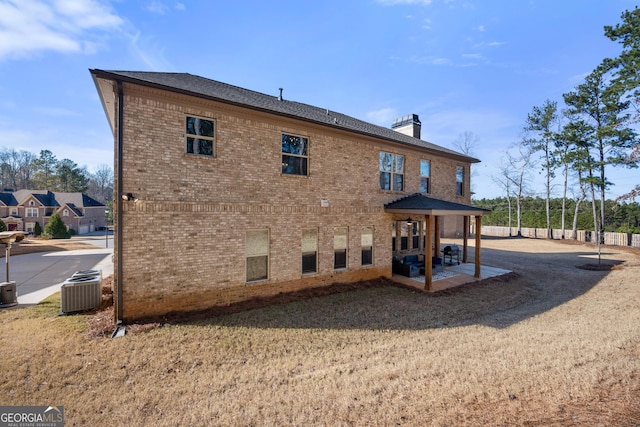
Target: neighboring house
[[224, 194], [21, 210]]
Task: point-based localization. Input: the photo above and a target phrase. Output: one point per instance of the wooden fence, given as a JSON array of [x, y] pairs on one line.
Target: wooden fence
[[616, 239]]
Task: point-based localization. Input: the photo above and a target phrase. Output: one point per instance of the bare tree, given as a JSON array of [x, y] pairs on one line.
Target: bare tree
[[519, 164], [101, 183], [504, 182], [466, 143]]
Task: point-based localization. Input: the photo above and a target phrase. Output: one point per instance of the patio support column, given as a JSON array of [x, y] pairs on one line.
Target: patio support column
[[436, 236], [478, 234], [428, 268], [465, 240]]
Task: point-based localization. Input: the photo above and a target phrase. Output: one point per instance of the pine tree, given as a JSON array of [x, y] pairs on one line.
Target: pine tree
[[55, 228]]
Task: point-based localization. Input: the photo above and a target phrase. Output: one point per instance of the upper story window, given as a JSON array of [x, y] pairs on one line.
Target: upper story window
[[459, 181], [200, 136], [391, 172], [425, 173], [31, 212], [65, 213], [295, 155], [13, 211], [32, 203]]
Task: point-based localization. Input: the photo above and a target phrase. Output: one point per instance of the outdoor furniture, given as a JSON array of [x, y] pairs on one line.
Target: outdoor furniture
[[437, 264], [409, 266], [408, 270], [451, 251]]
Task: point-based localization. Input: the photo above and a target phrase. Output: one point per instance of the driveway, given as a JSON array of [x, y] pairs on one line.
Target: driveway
[[39, 275]]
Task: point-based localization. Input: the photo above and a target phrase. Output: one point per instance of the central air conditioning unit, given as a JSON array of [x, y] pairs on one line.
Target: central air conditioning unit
[[86, 273], [81, 293]]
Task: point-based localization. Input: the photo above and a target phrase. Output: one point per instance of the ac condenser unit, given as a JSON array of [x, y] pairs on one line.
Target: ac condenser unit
[[80, 293]]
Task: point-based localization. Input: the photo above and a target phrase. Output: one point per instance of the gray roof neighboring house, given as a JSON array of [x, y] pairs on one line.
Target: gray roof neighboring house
[[201, 87], [8, 199], [76, 201]]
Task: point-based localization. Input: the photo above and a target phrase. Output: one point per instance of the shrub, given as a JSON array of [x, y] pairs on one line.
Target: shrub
[[3, 226], [56, 228], [37, 230]]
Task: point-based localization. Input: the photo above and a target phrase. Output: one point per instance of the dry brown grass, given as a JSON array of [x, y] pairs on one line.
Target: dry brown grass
[[32, 245], [558, 345]]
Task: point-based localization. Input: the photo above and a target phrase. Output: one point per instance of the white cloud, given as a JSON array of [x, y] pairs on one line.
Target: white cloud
[[395, 2], [382, 117], [151, 55], [480, 28], [163, 8], [427, 24], [157, 7], [430, 60], [28, 27]]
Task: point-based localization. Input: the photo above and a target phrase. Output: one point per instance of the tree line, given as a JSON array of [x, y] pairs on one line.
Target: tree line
[[620, 217], [582, 139], [23, 170]]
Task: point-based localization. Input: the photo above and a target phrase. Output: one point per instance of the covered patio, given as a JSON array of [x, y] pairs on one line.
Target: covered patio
[[418, 207]]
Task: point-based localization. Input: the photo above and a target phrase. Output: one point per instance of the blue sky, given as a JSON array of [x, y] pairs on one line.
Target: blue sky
[[462, 65]]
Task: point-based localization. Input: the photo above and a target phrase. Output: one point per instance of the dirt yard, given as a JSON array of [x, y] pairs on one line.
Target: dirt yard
[[558, 344]]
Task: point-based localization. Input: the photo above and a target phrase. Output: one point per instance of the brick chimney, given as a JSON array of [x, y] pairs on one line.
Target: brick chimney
[[408, 125]]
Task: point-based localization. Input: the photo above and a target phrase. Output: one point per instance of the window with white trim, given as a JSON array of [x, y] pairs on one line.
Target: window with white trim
[[257, 255], [200, 136], [425, 173], [391, 172], [366, 243], [340, 244], [310, 251], [459, 181], [65, 212], [31, 212], [13, 211], [295, 155]]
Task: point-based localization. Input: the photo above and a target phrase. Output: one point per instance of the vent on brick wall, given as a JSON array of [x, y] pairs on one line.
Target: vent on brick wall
[[80, 293]]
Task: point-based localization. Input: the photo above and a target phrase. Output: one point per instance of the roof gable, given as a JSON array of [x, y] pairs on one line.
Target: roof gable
[[206, 88]]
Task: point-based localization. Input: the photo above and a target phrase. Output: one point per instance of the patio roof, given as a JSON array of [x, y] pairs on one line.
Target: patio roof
[[420, 204]]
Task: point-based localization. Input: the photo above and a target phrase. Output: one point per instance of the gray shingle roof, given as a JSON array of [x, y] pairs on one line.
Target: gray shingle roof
[[206, 88], [8, 199], [420, 203]]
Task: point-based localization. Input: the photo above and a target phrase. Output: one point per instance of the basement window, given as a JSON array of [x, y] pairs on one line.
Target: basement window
[[200, 136], [366, 241], [309, 251], [257, 253], [340, 244]]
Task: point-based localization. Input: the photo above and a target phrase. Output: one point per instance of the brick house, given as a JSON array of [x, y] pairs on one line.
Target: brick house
[[21, 210], [224, 194]]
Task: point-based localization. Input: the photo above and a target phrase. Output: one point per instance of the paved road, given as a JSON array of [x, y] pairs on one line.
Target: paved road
[[39, 275]]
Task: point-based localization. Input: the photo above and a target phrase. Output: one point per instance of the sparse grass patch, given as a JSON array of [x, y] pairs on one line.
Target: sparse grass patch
[[554, 346]]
